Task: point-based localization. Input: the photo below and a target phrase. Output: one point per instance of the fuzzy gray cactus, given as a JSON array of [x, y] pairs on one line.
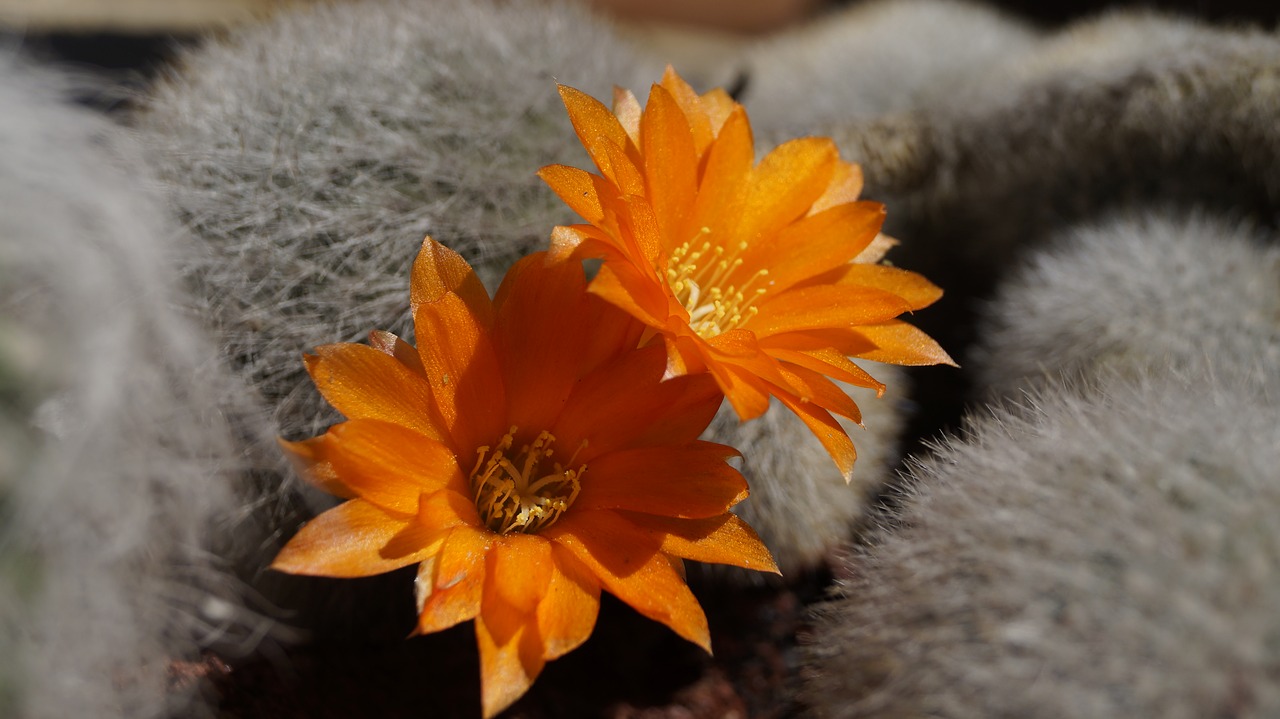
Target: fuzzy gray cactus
[[1136, 294], [1188, 113], [1111, 553], [312, 153], [106, 573], [875, 58]]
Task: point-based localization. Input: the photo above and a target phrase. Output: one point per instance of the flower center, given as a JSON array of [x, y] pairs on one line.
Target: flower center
[[513, 495], [698, 274]]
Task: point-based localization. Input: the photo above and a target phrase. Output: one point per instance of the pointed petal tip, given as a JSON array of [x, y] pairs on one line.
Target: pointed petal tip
[[570, 95], [771, 568], [846, 467]]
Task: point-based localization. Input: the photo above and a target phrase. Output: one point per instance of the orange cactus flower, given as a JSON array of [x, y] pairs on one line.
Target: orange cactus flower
[[766, 275], [525, 456]]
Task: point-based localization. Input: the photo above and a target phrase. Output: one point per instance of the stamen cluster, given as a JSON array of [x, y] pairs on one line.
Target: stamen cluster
[[698, 277], [509, 493]]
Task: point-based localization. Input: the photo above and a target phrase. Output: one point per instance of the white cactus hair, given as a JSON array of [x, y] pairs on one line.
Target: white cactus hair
[[1137, 292], [106, 561]]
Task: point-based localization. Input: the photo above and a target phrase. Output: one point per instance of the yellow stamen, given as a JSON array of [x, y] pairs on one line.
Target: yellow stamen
[[512, 496], [713, 306]]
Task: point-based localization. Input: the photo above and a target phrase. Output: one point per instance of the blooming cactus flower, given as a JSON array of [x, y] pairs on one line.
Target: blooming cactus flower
[[526, 455], [766, 275]]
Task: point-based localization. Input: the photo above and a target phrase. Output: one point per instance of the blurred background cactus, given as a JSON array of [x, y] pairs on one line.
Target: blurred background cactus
[[117, 460]]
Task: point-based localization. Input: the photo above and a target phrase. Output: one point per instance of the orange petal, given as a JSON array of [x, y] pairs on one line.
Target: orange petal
[[678, 565], [622, 286], [565, 242], [388, 343], [422, 587], [683, 481], [508, 665], [682, 409], [593, 123], [630, 225], [828, 431], [438, 513], [449, 606], [679, 356], [345, 542], [628, 564], [727, 170], [517, 572], [812, 245], [457, 580], [644, 233], [567, 613], [718, 105], [310, 460], [845, 186], [746, 393], [622, 175], [541, 331], [900, 343], [813, 387], [577, 188], [581, 242], [463, 554], [670, 164], [831, 363], [822, 306], [624, 404], [439, 272], [721, 539], [452, 315], [613, 333], [363, 383], [519, 568], [465, 377], [390, 465], [914, 288], [742, 370], [785, 185], [691, 106], [843, 340], [876, 251], [627, 109]]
